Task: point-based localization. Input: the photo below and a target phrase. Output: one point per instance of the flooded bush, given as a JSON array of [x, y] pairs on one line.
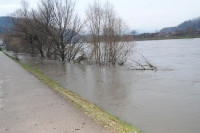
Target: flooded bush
[[107, 35]]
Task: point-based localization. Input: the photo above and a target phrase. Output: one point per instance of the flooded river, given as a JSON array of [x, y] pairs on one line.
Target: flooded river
[[163, 101]]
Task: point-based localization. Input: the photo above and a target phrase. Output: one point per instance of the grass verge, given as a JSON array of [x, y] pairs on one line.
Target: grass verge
[[100, 116]]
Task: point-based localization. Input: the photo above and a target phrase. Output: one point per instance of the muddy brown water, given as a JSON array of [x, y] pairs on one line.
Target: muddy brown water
[[163, 101]]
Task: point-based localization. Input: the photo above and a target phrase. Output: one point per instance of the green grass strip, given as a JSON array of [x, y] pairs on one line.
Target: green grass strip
[[97, 114]]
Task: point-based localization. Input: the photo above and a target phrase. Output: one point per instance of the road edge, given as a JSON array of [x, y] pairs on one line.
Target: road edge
[[95, 113]]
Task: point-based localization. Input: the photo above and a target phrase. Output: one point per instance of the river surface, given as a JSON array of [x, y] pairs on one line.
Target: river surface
[[163, 101]]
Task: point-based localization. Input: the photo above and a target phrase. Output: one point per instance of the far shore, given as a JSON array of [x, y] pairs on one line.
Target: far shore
[[166, 38]]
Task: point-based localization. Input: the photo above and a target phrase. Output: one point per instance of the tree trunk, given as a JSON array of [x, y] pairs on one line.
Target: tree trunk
[[42, 54], [62, 57]]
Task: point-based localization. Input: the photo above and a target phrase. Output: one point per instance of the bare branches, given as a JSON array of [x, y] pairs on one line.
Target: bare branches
[[150, 65], [66, 28], [53, 28], [142, 65], [106, 31]]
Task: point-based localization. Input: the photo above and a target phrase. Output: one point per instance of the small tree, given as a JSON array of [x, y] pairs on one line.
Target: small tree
[[13, 44], [65, 29], [95, 18], [133, 32], [107, 35], [43, 18], [27, 29]]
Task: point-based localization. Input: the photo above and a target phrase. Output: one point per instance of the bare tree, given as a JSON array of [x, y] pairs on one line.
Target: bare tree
[[43, 18], [95, 24], [107, 32], [133, 32], [27, 29], [13, 44], [65, 29]]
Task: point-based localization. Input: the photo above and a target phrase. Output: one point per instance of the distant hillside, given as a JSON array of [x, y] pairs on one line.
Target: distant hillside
[[5, 23], [187, 29], [193, 24]]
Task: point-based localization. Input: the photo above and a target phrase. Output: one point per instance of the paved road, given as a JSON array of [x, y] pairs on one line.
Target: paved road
[[28, 106]]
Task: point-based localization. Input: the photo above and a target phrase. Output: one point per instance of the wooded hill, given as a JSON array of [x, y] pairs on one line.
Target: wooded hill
[[5, 23]]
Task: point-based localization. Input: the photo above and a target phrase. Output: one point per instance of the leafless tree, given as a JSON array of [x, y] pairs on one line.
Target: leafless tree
[[27, 29], [95, 20], [43, 18], [107, 32], [13, 44], [65, 29]]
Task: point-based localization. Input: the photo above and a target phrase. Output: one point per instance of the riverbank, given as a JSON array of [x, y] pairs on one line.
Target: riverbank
[[100, 116], [28, 106], [166, 38]]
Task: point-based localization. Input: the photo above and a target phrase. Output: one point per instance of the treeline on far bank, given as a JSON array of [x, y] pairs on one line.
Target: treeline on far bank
[[55, 31], [186, 32]]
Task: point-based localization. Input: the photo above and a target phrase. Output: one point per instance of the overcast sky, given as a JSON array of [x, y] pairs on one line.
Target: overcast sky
[[141, 15]]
